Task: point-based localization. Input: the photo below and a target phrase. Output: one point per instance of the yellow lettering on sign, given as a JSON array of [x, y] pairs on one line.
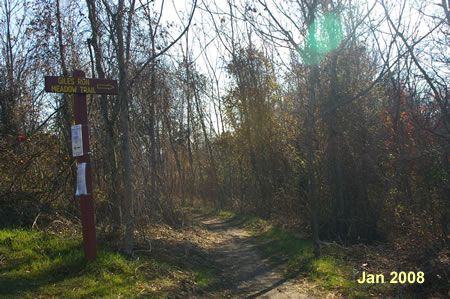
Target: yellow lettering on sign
[[64, 88], [84, 89], [82, 81], [66, 81]]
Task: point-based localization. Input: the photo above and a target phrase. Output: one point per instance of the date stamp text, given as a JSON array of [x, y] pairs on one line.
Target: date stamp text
[[394, 278]]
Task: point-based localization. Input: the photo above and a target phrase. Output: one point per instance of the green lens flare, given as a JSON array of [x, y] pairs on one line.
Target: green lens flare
[[325, 35]]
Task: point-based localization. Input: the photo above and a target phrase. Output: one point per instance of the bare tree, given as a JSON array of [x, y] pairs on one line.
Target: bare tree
[[122, 18]]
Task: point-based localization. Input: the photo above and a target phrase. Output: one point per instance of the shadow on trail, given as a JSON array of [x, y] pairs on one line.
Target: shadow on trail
[[250, 274], [218, 224], [266, 290]]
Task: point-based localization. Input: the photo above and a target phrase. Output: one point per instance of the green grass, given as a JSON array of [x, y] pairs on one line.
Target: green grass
[[251, 223], [226, 214], [37, 265], [296, 253]]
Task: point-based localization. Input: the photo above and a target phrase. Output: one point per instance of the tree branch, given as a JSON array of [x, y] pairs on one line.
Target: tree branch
[[411, 52], [154, 56]]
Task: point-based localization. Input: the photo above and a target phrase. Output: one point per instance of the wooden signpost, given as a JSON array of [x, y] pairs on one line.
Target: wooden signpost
[[80, 86]]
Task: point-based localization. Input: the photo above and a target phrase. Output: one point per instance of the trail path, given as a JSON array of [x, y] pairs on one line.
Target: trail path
[[242, 264]]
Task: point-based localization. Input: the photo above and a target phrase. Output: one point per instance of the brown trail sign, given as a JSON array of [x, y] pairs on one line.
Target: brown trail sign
[[80, 86]]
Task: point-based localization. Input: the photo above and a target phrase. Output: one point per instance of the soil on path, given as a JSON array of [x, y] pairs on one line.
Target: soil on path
[[249, 274]]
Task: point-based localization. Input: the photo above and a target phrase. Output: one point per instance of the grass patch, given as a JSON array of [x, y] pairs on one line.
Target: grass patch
[[331, 271], [35, 264], [206, 280], [251, 223], [226, 214]]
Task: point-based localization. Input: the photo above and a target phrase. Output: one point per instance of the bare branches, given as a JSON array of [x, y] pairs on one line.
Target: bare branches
[[156, 55], [411, 52], [280, 27]]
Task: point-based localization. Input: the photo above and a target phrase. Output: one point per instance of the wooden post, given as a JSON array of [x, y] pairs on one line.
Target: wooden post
[[80, 86], [86, 201]]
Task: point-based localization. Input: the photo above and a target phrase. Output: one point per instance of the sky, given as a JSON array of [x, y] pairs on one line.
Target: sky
[[209, 50]]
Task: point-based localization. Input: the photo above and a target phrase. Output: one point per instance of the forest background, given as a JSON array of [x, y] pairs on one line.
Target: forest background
[[326, 116]]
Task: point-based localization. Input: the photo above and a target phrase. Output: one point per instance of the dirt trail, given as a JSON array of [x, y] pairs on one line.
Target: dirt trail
[[242, 263]]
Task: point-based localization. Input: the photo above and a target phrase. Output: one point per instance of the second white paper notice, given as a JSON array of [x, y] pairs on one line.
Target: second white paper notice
[[81, 180]]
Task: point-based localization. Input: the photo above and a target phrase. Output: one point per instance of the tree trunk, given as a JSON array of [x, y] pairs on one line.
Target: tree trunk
[[110, 157], [335, 150], [66, 114], [310, 159], [128, 217], [177, 161], [219, 195]]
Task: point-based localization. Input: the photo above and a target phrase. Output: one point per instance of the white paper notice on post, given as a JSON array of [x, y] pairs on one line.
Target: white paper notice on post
[[81, 180], [77, 141]]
